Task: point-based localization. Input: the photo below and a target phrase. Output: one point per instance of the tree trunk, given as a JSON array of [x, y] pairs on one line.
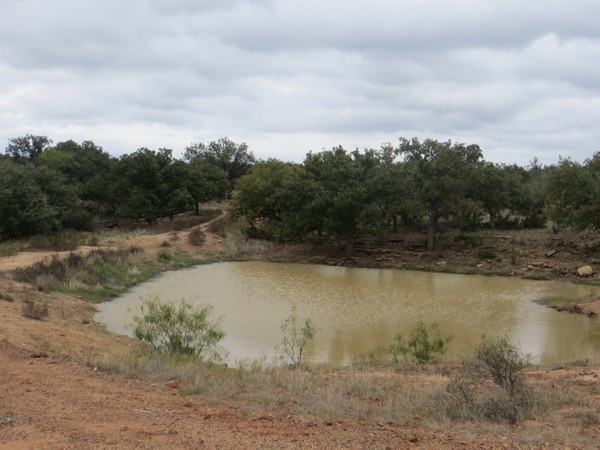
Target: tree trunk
[[492, 221], [349, 247], [431, 232]]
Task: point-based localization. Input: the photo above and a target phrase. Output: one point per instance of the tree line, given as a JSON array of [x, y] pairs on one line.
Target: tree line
[[333, 194], [45, 188], [342, 195]]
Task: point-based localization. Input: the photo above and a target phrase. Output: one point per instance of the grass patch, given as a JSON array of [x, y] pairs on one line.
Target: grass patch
[[101, 274], [322, 393], [180, 223], [6, 297], [66, 240], [9, 248], [567, 304]]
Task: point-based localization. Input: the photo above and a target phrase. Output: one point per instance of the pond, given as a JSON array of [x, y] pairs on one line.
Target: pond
[[357, 310]]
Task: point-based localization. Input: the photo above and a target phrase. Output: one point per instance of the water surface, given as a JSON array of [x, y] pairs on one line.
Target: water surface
[[356, 310]]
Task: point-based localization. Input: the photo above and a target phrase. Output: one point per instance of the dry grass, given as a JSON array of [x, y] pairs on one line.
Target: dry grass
[[196, 237], [323, 393], [34, 308]]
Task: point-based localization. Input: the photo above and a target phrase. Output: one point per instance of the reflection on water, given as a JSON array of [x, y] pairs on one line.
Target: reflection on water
[[357, 310]]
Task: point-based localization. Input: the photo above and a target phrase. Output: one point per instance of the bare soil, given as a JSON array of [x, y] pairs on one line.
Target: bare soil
[[52, 398]]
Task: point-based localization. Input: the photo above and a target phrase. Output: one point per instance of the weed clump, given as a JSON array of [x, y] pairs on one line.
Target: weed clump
[[295, 337], [34, 308], [9, 248], [491, 386], [5, 296], [196, 237]]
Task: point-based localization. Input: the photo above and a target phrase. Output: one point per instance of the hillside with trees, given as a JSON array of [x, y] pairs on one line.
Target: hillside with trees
[[332, 196]]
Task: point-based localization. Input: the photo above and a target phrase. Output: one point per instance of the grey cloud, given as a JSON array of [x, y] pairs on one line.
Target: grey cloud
[[508, 74]]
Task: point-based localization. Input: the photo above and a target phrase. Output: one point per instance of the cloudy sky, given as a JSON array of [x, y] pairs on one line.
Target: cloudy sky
[[519, 78]]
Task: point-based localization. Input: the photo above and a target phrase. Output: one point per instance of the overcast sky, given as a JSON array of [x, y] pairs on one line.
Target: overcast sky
[[519, 78]]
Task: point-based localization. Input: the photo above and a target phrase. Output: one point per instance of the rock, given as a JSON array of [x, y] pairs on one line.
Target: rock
[[585, 271], [551, 253], [172, 384], [480, 265], [440, 263]]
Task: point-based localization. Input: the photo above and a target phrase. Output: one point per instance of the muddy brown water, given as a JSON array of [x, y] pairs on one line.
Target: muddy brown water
[[357, 310]]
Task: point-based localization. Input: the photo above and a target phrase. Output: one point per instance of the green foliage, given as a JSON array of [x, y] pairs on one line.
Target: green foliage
[[177, 328], [574, 193], [423, 344], [9, 248], [442, 178], [24, 207], [5, 296], [486, 254], [233, 159], [27, 148], [99, 275], [295, 337]]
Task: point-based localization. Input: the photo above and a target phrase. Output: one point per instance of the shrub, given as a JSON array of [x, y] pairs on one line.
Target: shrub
[[423, 343], [34, 309], [164, 255], [9, 248], [196, 237], [534, 221], [178, 328], [486, 254], [295, 337], [5, 296], [491, 386], [501, 362]]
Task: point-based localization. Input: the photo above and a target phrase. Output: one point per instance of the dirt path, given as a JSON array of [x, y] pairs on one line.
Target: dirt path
[[174, 240]]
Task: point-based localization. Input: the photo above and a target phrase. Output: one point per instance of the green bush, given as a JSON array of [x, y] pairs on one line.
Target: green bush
[[180, 328], [486, 254], [9, 248], [5, 296], [295, 337], [423, 343]]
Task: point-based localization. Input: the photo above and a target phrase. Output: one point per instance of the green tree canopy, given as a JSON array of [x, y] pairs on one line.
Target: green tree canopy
[[573, 192], [27, 148], [234, 159], [440, 175]]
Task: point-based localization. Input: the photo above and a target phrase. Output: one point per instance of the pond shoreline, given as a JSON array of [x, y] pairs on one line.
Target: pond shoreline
[[524, 254]]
